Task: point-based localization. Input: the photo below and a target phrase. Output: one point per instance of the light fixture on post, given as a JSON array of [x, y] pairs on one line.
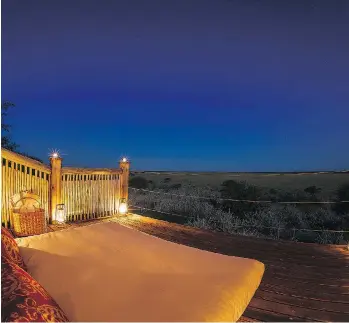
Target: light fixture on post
[[55, 154], [60, 213], [124, 165], [123, 206]]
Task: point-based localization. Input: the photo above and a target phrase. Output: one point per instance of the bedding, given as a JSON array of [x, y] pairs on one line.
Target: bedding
[[23, 299], [108, 272], [9, 248]]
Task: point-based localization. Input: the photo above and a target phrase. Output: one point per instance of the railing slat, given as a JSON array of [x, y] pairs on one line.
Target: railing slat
[[17, 176], [89, 195]]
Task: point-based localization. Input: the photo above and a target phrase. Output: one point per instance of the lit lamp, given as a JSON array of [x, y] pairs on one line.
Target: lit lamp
[[55, 154], [60, 213], [123, 206]]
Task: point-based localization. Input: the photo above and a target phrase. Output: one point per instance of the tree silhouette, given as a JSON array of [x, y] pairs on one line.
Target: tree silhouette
[[6, 141]]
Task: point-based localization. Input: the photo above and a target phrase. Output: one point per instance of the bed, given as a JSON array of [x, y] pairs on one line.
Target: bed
[[107, 272]]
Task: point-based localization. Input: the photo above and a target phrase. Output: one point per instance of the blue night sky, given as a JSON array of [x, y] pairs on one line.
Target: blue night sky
[[180, 84]]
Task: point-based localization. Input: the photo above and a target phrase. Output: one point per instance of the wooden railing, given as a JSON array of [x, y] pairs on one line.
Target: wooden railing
[[86, 193], [19, 173], [89, 193]]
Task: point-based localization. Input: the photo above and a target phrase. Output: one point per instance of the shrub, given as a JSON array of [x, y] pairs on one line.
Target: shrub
[[312, 190], [292, 195], [326, 237], [275, 221], [239, 191], [323, 218], [151, 185], [138, 182], [342, 194]]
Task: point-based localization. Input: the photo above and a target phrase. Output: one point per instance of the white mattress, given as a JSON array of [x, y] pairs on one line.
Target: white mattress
[[107, 272]]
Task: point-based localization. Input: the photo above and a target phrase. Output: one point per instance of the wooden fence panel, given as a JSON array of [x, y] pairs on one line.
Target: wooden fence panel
[[19, 173], [89, 195]]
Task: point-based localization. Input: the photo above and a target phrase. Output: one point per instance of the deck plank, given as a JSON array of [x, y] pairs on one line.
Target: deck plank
[[301, 292], [302, 282], [302, 301], [263, 315]]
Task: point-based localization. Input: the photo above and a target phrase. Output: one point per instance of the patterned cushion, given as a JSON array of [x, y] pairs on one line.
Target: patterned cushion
[[9, 248], [23, 299], [6, 232]]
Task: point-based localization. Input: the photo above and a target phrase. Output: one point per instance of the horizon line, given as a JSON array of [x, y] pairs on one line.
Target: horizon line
[[243, 172]]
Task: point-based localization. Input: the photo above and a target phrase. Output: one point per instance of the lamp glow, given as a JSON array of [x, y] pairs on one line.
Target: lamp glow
[[124, 160], [60, 213], [123, 206], [54, 153]]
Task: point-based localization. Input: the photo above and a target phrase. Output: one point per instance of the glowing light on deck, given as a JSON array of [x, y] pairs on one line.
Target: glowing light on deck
[[123, 207], [60, 213]]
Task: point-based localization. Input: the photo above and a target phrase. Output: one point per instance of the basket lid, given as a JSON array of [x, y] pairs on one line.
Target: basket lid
[[27, 200]]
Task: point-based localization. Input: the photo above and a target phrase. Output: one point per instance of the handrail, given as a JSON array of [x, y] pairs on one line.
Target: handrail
[[25, 161], [91, 171]]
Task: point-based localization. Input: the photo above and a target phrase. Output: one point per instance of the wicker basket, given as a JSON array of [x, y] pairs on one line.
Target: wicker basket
[[27, 222]]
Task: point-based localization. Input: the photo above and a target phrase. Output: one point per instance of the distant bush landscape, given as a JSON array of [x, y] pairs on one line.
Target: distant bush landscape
[[203, 204]]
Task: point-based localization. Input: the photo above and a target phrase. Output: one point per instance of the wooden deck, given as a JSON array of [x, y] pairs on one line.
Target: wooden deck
[[302, 282]]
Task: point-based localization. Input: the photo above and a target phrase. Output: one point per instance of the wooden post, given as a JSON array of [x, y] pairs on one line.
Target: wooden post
[[56, 185], [124, 165]]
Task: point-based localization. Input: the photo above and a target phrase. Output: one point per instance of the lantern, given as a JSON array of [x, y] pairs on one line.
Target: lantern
[[60, 213], [122, 206]]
